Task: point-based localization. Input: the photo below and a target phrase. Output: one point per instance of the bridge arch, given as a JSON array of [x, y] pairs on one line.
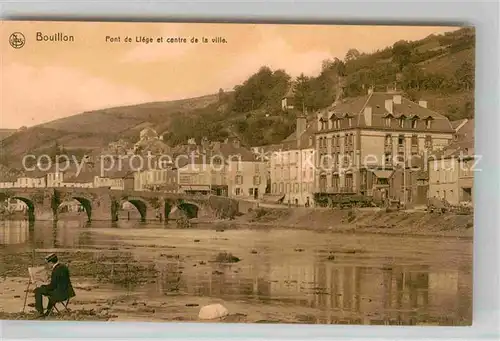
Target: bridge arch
[[139, 203], [29, 204], [85, 202], [190, 209]]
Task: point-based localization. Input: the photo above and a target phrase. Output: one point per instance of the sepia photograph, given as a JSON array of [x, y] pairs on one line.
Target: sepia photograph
[[237, 173]]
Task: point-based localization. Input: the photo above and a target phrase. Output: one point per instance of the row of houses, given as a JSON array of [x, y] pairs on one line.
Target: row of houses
[[380, 145], [220, 168]]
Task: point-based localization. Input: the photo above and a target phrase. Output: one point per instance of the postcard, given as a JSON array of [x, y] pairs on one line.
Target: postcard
[[232, 172]]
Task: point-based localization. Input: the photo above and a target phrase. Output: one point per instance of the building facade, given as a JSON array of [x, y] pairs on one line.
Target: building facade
[[292, 166], [246, 179], [451, 172], [156, 179], [360, 141]]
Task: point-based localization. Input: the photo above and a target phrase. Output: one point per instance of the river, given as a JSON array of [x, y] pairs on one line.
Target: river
[[146, 272]]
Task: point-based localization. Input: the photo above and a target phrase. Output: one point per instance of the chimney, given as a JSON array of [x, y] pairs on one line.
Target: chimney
[[301, 126], [319, 115], [388, 105], [396, 99], [423, 104], [368, 116]]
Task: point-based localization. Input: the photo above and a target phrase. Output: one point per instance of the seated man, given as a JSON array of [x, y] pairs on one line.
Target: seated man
[[58, 290]]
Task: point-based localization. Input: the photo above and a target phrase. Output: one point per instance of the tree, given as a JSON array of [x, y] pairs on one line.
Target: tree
[[465, 75], [401, 53], [302, 91], [351, 55], [262, 88], [413, 76]]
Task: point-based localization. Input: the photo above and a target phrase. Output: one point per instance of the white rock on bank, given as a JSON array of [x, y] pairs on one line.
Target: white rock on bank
[[212, 311]]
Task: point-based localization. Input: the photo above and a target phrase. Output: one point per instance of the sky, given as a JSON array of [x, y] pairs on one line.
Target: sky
[[44, 81]]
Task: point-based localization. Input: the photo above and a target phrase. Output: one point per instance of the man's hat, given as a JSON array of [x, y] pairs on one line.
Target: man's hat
[[50, 257]]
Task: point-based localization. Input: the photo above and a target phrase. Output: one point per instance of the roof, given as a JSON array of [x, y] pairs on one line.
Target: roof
[[225, 150], [84, 177], [355, 108], [290, 143], [150, 132], [290, 93], [456, 124], [465, 131], [8, 178], [154, 146], [382, 174], [456, 149]]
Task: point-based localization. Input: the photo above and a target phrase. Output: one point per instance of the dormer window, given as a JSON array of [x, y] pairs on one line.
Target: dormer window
[[428, 123], [388, 122], [349, 120], [414, 123], [402, 122], [310, 141]]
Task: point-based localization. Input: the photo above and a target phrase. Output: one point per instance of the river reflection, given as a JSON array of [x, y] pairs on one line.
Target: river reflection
[[379, 280]]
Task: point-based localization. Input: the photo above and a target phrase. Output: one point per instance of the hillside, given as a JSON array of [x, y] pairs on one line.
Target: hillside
[[438, 68], [95, 129], [4, 133]]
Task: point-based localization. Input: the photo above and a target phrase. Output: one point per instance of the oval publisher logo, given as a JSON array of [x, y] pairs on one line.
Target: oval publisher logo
[[17, 40]]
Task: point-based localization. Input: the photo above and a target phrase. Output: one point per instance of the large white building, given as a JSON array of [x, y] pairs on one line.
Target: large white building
[[360, 141], [292, 166]]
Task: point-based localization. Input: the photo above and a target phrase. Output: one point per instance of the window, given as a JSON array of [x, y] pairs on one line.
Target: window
[[238, 180], [414, 123], [402, 122], [238, 191], [296, 188], [310, 141], [428, 142], [250, 191], [388, 139], [428, 123], [350, 121], [414, 140], [388, 159], [388, 122], [274, 188], [401, 140], [256, 180]]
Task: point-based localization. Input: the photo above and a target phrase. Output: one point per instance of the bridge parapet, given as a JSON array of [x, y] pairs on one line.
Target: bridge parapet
[[104, 203]]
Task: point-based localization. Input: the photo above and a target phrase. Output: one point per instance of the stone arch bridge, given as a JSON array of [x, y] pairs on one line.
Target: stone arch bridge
[[104, 204]]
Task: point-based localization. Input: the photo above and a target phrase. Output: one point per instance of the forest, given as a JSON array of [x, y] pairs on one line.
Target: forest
[[439, 67]]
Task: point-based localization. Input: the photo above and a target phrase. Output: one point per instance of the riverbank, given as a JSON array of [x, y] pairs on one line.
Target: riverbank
[[273, 275], [370, 220]]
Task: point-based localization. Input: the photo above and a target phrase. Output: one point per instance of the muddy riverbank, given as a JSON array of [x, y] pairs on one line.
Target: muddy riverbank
[[147, 272], [370, 220]]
